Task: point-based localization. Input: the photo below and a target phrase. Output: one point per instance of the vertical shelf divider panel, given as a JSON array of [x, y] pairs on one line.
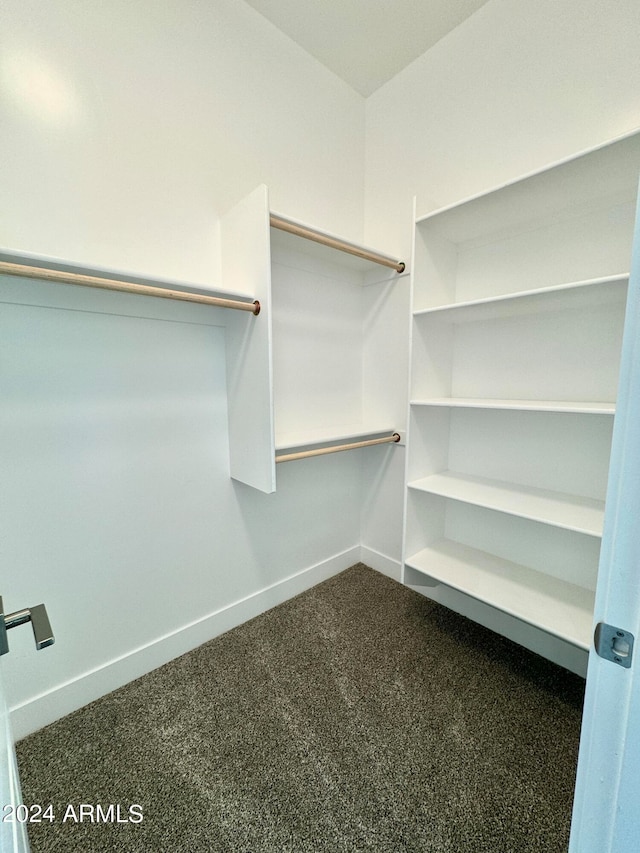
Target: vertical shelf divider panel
[[246, 266], [518, 304]]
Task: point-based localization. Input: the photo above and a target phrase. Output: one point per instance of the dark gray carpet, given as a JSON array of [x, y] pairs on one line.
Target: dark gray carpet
[[357, 717]]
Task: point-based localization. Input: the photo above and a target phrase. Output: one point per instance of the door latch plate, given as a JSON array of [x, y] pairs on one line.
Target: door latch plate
[[614, 644]]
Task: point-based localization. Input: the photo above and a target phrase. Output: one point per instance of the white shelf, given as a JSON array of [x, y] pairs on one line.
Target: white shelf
[[370, 270], [570, 406], [56, 263], [571, 512], [329, 435], [554, 298], [610, 170], [559, 608]]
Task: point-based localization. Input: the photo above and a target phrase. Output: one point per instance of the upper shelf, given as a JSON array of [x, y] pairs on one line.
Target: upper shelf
[[58, 265], [607, 171], [289, 234], [580, 407]]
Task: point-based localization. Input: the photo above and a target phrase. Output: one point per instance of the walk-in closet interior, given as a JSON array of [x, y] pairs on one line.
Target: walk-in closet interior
[[275, 303]]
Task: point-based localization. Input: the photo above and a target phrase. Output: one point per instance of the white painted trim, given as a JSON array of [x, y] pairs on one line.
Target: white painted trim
[[381, 563], [65, 698]]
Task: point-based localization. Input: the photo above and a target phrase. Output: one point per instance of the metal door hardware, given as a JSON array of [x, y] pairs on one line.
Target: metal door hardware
[[614, 644], [37, 615]]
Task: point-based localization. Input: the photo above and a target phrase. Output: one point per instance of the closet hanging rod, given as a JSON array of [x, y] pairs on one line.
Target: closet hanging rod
[[334, 243], [61, 277], [336, 448]]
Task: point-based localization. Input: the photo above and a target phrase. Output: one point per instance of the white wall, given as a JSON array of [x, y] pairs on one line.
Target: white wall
[[515, 87], [127, 128], [385, 371]]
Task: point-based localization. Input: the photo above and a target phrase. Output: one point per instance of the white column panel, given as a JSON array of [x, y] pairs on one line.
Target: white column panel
[[246, 266]]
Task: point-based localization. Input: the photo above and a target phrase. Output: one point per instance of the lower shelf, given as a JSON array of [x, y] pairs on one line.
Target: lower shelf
[[559, 608], [571, 512], [329, 435]]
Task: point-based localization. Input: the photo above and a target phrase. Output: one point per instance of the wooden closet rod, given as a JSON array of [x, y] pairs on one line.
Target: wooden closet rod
[[60, 277], [303, 454], [334, 243]]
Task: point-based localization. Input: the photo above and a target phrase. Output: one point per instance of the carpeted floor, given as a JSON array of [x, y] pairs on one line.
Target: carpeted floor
[[358, 716]]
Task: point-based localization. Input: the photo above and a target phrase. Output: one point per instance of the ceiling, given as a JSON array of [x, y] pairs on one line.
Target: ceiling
[[366, 42]]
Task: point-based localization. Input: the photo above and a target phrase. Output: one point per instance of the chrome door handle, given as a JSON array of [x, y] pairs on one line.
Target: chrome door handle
[[37, 615]]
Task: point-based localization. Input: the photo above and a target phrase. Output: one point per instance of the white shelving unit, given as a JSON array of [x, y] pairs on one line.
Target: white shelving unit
[[518, 303], [305, 375]]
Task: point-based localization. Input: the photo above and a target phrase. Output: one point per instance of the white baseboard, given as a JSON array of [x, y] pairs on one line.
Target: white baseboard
[[85, 688], [381, 563]]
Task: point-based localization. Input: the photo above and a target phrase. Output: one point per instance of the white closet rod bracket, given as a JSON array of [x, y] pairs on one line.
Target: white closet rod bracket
[[334, 243], [336, 448], [61, 277]]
